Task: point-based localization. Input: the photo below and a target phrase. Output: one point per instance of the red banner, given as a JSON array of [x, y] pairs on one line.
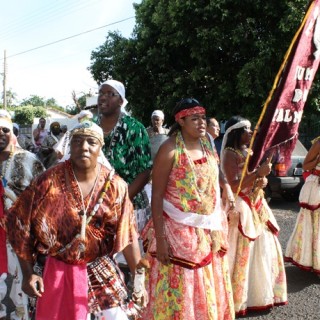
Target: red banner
[[279, 127]]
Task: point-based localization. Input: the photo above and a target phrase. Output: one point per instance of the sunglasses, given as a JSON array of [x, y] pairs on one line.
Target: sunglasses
[[5, 130]]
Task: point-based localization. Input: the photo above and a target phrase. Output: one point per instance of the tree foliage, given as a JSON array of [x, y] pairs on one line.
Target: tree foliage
[[225, 53], [24, 115]]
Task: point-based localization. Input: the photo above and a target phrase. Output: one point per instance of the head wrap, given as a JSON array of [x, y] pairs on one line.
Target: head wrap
[[15, 125], [5, 120], [158, 113], [54, 124], [117, 85], [84, 114], [87, 128], [238, 125], [189, 112], [64, 126]]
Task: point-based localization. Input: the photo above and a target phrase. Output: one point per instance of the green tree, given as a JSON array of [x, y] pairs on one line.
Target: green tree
[[34, 100], [24, 115], [225, 53]]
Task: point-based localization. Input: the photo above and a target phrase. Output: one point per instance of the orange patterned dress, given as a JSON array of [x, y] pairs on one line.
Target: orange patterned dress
[[46, 219], [196, 284]]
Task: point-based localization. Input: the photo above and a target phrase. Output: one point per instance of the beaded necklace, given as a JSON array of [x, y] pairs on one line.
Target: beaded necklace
[[237, 151], [106, 148], [196, 175], [83, 212], [88, 217], [3, 171]]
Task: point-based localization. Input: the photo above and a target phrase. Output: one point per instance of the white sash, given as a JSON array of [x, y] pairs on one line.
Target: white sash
[[211, 221]]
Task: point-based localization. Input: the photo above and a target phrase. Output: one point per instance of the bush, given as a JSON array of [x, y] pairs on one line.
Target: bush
[[24, 115]]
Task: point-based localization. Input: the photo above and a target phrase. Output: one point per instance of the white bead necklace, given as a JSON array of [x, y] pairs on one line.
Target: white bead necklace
[[84, 208]]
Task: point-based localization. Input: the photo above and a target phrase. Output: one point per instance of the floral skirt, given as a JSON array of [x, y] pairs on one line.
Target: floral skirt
[[303, 248], [178, 293], [256, 265]]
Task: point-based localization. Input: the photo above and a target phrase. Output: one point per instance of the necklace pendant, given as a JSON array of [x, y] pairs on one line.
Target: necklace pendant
[[82, 247], [4, 182]]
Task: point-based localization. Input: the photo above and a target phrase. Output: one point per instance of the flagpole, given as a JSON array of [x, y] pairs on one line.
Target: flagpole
[[245, 167]]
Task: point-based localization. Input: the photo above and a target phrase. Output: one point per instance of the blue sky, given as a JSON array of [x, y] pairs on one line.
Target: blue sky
[[54, 71]]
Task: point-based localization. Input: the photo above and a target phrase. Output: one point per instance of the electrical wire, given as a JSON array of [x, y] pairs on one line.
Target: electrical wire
[[67, 38], [42, 15]]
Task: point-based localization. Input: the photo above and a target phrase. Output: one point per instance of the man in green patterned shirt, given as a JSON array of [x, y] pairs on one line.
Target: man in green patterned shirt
[[127, 145]]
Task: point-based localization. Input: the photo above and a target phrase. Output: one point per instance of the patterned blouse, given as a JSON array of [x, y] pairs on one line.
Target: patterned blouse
[[127, 147], [33, 228]]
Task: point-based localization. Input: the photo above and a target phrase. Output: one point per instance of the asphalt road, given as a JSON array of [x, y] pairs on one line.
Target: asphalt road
[[303, 286]]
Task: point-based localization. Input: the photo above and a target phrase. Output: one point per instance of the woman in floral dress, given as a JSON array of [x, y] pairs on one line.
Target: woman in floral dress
[[303, 248], [255, 256], [186, 240]]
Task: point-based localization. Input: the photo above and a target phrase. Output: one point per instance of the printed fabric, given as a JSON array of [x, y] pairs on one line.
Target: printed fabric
[[127, 147], [255, 255], [196, 284], [110, 230], [303, 247]]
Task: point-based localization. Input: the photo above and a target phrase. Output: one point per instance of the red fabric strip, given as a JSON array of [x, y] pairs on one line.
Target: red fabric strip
[[3, 246]]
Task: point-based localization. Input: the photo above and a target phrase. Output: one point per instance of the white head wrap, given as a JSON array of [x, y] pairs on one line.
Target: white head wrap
[[87, 128], [120, 89], [85, 114], [15, 125], [240, 124], [158, 113], [5, 121]]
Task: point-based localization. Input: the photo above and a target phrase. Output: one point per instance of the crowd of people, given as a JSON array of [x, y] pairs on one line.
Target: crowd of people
[[112, 220]]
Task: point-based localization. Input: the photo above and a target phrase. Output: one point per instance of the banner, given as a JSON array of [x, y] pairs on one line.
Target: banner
[[278, 132]]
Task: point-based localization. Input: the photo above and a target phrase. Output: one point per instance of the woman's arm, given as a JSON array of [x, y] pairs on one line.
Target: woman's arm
[[138, 183], [160, 176], [312, 157], [231, 161]]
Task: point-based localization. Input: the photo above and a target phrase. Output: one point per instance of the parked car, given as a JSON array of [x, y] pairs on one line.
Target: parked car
[[287, 183]]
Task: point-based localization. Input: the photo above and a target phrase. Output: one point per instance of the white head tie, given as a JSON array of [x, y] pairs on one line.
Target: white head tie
[[158, 113], [117, 85], [238, 125]]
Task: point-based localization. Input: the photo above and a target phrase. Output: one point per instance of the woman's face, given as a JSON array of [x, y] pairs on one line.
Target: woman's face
[[84, 151], [194, 125], [246, 135]]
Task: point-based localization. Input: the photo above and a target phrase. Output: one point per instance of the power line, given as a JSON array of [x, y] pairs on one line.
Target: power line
[[32, 20], [76, 35]]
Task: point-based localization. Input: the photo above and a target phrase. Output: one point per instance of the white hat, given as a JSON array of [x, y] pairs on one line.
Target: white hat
[[15, 125], [85, 113], [120, 89], [158, 113]]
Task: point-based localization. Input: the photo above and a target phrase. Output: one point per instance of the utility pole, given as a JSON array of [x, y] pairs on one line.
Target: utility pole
[[4, 82]]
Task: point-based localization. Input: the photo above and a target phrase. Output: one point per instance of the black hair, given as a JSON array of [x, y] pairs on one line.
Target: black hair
[[234, 137], [183, 104]]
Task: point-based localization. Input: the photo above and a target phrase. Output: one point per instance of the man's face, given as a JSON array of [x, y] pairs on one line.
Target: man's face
[[5, 135], [109, 100], [42, 123], [157, 121], [213, 128], [55, 130]]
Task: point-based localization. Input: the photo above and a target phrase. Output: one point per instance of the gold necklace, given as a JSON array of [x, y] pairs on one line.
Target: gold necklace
[[4, 171], [197, 176]]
